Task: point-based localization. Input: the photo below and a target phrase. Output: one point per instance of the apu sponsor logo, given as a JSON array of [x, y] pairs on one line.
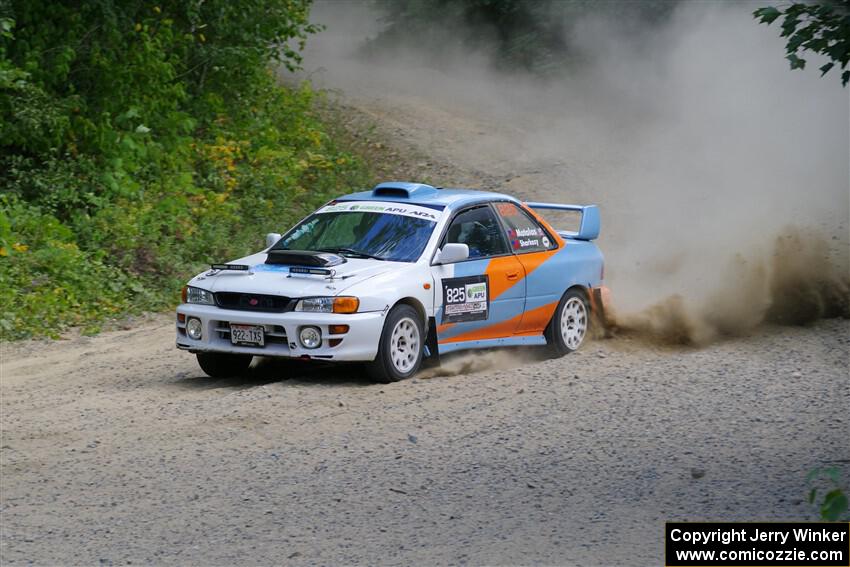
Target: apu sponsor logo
[[380, 208], [476, 292], [411, 212], [373, 208]]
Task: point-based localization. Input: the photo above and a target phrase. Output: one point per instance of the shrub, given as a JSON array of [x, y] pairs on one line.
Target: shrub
[[140, 143]]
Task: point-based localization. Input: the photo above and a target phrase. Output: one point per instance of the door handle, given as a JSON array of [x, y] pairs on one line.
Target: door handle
[[512, 275]]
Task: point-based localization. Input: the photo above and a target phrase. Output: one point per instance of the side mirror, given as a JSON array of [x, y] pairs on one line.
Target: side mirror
[[452, 253], [271, 239]]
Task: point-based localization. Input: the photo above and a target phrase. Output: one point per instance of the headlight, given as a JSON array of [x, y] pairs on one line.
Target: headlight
[[316, 305], [197, 295], [328, 305]]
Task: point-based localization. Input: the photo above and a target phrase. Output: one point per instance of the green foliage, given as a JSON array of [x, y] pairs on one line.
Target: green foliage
[[833, 506], [49, 282], [140, 141], [822, 28]]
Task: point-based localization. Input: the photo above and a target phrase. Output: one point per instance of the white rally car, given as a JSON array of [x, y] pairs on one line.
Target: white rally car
[[397, 274]]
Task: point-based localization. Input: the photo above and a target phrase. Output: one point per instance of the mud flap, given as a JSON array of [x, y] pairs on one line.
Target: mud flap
[[431, 356], [600, 305]]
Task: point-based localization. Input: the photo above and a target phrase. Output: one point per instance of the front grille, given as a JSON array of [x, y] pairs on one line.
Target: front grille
[[252, 302]]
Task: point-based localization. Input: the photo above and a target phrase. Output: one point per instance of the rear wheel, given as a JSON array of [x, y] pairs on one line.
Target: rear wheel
[[222, 365], [400, 350], [569, 325]]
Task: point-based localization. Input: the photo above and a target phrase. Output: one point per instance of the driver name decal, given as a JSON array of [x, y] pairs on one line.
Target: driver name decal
[[466, 299], [525, 237]]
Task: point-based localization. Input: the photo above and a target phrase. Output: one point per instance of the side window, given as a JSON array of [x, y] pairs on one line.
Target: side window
[[523, 232], [479, 229]]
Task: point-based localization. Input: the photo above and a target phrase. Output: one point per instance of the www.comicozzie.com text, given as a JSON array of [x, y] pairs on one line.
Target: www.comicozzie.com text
[[744, 534]]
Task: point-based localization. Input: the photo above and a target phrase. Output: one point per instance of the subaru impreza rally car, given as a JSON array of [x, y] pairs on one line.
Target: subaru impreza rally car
[[395, 275]]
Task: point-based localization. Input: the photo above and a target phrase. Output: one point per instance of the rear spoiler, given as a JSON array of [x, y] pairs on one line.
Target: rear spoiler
[[589, 227]]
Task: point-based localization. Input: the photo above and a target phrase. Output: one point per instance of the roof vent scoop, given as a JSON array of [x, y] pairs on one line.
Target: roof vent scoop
[[402, 189]]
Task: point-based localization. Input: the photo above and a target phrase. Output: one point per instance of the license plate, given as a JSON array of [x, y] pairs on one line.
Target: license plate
[[247, 335]]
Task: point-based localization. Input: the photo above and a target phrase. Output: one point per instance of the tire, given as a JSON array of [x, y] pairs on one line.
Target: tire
[[401, 346], [569, 325], [221, 365]]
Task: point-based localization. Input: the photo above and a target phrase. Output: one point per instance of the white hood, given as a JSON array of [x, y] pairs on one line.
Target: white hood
[[274, 279]]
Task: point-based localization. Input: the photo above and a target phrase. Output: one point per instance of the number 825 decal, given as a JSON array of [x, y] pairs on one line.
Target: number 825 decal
[[466, 299]]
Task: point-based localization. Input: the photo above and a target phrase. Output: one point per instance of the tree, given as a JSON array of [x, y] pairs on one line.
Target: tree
[[822, 28], [533, 35]]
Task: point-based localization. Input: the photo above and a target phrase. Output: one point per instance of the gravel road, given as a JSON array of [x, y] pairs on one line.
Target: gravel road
[[116, 449]]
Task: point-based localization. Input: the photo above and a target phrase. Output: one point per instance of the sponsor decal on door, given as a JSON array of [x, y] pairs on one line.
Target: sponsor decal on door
[[466, 299]]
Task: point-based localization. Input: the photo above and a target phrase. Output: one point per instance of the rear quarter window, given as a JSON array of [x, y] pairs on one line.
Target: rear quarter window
[[523, 232]]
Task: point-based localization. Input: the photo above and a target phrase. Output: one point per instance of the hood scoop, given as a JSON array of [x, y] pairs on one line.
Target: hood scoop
[[304, 258]]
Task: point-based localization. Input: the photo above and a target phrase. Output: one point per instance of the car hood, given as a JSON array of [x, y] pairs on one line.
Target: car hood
[[275, 279]]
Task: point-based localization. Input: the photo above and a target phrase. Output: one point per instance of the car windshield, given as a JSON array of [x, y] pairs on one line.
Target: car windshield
[[398, 236]]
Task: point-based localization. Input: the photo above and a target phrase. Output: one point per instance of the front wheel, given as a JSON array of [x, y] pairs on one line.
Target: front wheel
[[569, 325], [222, 365], [400, 349]]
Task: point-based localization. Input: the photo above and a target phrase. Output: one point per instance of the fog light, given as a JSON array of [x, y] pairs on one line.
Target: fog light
[[193, 328], [311, 337]]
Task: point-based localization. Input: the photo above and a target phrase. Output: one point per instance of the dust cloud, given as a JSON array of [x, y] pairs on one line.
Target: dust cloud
[[472, 362], [799, 285], [722, 176]]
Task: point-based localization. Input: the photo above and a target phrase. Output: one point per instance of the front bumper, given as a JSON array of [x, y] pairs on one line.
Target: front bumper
[[281, 333]]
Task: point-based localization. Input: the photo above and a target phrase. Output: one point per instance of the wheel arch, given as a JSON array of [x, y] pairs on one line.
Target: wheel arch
[[416, 304], [584, 290]]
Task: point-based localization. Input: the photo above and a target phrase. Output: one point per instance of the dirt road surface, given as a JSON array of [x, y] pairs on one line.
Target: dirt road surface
[[116, 449]]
